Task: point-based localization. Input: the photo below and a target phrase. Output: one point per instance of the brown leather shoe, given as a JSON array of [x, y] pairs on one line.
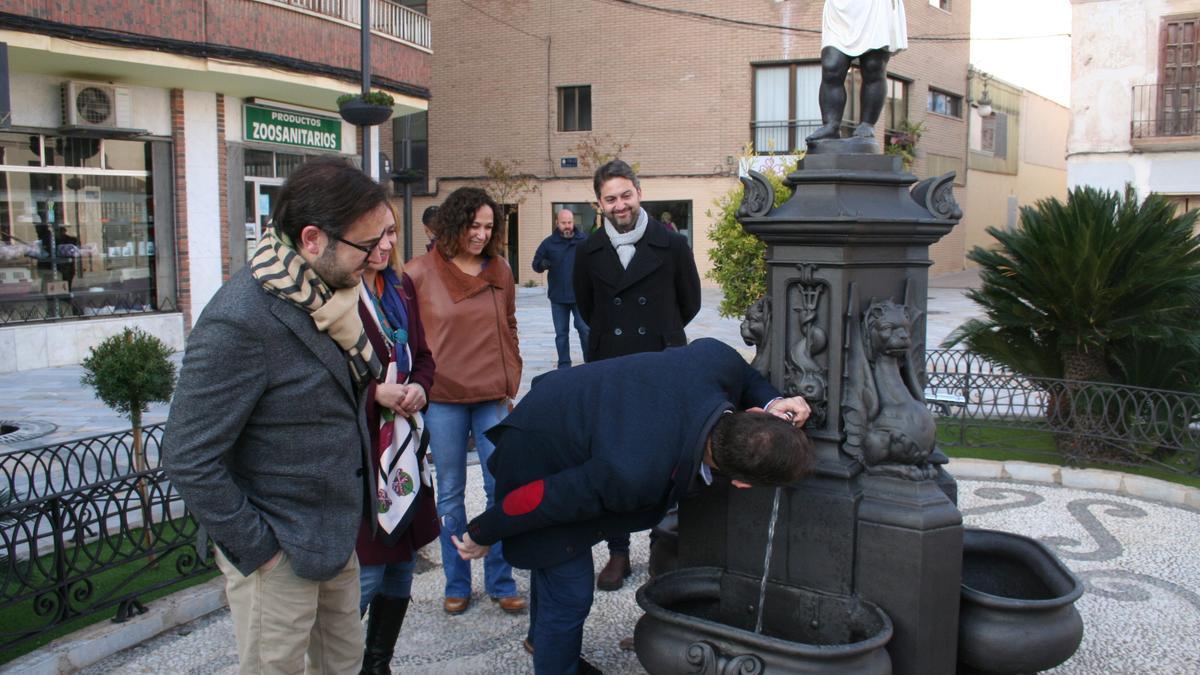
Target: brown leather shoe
[[456, 605], [612, 577], [513, 604]]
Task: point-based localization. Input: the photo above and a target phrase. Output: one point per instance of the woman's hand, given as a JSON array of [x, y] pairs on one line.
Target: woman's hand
[[413, 400], [390, 396]]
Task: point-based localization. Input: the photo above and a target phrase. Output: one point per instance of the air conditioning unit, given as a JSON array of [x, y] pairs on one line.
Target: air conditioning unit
[[96, 104]]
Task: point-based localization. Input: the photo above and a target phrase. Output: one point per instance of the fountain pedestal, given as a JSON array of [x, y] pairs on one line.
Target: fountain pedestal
[[843, 326]]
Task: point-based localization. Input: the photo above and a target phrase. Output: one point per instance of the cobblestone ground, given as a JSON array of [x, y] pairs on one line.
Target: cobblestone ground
[[1137, 558]]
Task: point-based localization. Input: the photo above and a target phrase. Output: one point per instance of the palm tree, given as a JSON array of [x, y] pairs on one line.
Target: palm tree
[[1080, 286]]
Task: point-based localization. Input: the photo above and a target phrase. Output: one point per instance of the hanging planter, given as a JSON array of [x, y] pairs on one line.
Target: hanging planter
[[366, 110]]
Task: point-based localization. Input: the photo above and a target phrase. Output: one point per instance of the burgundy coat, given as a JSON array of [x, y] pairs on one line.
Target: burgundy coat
[[424, 527]]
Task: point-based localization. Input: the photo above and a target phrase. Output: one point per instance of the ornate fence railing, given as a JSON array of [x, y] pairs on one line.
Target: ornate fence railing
[[387, 17], [84, 534], [988, 406]]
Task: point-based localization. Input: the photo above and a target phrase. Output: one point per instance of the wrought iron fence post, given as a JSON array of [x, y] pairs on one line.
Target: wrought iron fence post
[[60, 559], [966, 392]]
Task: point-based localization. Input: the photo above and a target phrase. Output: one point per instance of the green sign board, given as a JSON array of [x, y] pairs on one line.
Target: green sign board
[[289, 127]]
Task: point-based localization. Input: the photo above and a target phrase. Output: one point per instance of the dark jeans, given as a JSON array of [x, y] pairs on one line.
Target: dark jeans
[[560, 599], [561, 313]]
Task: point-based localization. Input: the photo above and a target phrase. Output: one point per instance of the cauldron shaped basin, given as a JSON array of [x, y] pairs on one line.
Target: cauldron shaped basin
[[701, 620], [1017, 613]]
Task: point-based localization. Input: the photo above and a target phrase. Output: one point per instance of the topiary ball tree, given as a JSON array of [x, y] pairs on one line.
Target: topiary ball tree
[[129, 371]]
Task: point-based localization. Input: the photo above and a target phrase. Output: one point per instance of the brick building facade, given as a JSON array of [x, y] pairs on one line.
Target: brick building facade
[[676, 81], [145, 144]]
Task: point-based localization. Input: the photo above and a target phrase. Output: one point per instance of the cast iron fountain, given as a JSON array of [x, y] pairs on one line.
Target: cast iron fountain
[[865, 564]]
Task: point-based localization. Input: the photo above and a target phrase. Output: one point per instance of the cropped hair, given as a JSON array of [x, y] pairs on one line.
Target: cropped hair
[[457, 214], [428, 215], [760, 449], [614, 169], [327, 192]]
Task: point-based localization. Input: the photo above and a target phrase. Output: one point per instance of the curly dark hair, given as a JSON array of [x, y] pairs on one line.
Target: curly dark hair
[[760, 449], [457, 214]]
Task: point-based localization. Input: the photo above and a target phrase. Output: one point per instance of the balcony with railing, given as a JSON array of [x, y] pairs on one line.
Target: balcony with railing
[[781, 137], [390, 19], [1166, 116]]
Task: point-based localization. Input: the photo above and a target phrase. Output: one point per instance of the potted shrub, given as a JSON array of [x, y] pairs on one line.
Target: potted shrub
[[366, 110]]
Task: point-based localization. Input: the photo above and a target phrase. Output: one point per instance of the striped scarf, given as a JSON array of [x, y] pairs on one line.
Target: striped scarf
[[283, 273]]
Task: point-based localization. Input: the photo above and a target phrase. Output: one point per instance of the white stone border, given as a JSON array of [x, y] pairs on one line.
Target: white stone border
[[1087, 479], [78, 650]]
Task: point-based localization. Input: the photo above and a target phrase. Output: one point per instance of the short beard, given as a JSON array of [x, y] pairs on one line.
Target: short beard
[[326, 267]]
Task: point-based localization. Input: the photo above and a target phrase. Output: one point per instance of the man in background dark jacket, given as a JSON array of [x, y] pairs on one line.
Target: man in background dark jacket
[[637, 287], [664, 421], [556, 254]]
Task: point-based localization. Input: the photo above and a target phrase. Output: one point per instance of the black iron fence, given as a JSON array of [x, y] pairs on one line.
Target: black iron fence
[[981, 404], [32, 307], [85, 533], [1164, 110]]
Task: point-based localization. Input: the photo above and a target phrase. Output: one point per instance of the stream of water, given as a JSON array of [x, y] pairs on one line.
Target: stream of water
[[762, 589]]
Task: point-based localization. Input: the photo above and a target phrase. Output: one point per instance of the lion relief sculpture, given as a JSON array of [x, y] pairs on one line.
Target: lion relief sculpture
[[888, 428]]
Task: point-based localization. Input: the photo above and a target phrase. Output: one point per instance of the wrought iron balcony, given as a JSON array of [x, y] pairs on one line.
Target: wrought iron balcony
[[1163, 111], [781, 137], [387, 18]]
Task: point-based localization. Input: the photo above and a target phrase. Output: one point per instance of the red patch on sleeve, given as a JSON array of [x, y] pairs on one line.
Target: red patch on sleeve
[[524, 499]]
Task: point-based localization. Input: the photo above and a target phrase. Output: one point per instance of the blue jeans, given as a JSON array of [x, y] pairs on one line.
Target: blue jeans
[[561, 313], [560, 599], [393, 580], [448, 425]]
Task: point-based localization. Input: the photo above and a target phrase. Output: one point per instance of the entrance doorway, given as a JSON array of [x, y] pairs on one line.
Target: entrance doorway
[[260, 199], [511, 213]]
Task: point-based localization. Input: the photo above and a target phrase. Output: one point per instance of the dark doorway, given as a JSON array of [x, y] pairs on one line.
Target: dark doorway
[[511, 217]]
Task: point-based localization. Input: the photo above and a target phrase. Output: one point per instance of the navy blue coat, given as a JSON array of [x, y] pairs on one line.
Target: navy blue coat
[[607, 447], [557, 254]]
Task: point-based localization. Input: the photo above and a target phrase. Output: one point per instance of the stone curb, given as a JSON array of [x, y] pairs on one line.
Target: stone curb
[[1086, 479], [86, 646]]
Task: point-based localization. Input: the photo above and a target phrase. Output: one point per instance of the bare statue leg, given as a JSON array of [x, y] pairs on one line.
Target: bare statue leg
[[874, 90], [834, 67]]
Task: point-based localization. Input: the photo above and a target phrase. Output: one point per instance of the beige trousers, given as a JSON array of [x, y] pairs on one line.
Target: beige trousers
[[279, 619]]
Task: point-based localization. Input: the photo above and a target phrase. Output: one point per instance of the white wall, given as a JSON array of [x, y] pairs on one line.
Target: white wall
[[203, 204], [37, 102]]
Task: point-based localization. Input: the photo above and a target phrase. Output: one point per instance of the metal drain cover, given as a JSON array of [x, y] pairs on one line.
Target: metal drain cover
[[15, 431]]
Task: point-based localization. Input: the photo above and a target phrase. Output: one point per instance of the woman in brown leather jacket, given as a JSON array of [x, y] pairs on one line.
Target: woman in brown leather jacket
[[467, 301]]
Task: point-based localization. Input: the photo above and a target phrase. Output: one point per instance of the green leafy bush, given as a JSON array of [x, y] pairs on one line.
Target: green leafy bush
[[371, 97], [739, 258], [130, 371], [1103, 287]]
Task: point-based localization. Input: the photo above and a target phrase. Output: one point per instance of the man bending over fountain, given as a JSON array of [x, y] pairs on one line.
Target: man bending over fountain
[[664, 422]]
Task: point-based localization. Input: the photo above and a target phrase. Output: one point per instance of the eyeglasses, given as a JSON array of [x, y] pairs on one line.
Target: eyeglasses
[[367, 249]]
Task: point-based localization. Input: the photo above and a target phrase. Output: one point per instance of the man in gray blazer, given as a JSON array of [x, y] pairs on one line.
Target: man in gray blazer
[[267, 438]]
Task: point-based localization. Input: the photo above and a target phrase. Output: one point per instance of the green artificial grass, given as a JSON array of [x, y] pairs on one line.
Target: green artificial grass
[[19, 618], [1003, 442]]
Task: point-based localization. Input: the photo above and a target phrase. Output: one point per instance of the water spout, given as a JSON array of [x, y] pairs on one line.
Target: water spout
[[762, 589]]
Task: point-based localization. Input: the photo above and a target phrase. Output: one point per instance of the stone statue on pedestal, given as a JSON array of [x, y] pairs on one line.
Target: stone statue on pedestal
[[871, 31]]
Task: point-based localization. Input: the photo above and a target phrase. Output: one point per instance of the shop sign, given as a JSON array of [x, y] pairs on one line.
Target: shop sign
[[289, 127]]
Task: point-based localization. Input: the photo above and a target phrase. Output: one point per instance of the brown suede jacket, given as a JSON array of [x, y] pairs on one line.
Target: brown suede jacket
[[471, 327]]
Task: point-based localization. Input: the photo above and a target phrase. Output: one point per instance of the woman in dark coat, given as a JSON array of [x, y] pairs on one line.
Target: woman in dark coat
[[407, 518]]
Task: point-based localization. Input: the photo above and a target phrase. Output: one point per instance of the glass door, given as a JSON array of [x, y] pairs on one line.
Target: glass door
[[260, 199]]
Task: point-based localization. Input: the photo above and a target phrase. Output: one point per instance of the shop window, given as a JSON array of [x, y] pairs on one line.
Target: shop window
[[945, 103], [75, 244], [575, 108], [677, 213]]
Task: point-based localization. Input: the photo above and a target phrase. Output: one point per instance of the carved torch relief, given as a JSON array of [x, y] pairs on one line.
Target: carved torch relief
[[807, 340], [888, 428]]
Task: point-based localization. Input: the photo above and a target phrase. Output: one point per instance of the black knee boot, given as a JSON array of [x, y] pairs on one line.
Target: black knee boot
[[383, 627]]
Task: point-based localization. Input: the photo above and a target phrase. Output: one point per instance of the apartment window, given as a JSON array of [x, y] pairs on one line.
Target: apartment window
[[575, 108], [945, 103], [941, 4], [786, 107]]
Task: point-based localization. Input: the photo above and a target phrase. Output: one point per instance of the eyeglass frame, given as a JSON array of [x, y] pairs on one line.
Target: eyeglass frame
[[367, 250]]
